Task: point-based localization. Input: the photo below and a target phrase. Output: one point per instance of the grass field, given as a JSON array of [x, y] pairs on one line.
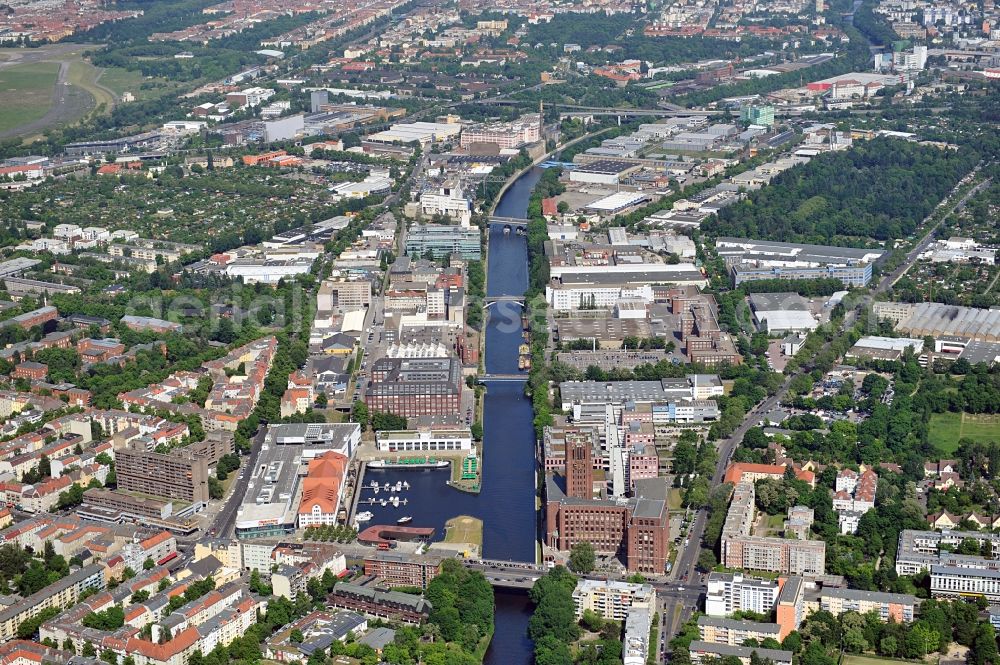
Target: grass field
[[675, 498], [84, 75], [121, 80], [947, 429], [850, 659], [464, 529], [26, 92]]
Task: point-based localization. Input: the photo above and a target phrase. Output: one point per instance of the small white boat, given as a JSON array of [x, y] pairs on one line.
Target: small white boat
[[404, 520], [366, 516], [406, 485], [394, 501]]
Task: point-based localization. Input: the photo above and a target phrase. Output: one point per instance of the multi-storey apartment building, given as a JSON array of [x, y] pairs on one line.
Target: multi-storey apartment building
[[742, 550], [735, 632], [733, 592], [612, 599], [403, 570], [63, 593], [180, 474], [898, 607]]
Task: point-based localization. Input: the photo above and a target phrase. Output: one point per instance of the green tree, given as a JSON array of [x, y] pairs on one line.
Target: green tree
[[359, 414], [582, 558]]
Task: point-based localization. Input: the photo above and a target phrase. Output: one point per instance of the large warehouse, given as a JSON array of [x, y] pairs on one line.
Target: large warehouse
[[937, 320], [781, 313], [603, 172], [751, 260]]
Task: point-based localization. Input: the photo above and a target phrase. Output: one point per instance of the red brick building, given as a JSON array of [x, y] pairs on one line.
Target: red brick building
[[415, 386], [637, 528], [99, 350], [31, 370], [579, 468], [36, 317], [402, 570]]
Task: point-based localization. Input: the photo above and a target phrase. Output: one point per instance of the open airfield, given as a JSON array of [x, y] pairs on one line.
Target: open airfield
[[48, 86]]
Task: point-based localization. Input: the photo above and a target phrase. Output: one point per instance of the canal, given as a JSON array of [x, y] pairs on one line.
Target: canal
[[508, 496], [506, 502]]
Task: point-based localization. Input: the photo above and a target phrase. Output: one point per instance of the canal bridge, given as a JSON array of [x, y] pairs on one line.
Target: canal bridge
[[491, 300], [513, 222], [502, 377], [507, 574]]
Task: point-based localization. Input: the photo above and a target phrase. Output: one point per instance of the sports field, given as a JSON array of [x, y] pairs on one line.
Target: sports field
[[947, 429], [26, 92], [464, 529]]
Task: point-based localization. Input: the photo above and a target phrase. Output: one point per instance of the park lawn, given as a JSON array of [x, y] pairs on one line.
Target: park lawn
[[675, 498], [464, 529], [26, 92], [945, 430]]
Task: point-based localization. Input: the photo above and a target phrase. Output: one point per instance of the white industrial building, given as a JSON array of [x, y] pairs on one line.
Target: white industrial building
[[431, 440], [423, 133], [615, 203], [448, 201], [268, 271], [284, 129], [370, 186], [781, 313], [602, 287]]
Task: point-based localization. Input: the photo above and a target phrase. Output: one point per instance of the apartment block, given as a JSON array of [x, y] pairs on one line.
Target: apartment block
[[898, 607], [611, 599], [180, 474], [700, 651], [735, 632], [60, 594], [742, 550], [728, 593]]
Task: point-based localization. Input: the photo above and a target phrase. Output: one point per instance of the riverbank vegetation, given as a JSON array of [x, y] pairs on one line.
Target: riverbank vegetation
[[462, 610]]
